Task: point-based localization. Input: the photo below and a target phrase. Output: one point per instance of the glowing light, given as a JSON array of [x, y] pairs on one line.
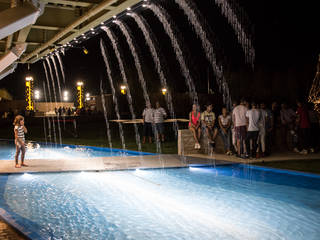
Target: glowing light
[[87, 96], [123, 89], [80, 83], [85, 51], [65, 96], [29, 78], [37, 94], [114, 16], [129, 9], [164, 91]]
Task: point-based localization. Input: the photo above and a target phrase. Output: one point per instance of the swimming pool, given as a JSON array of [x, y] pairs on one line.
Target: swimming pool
[[226, 202], [45, 151]]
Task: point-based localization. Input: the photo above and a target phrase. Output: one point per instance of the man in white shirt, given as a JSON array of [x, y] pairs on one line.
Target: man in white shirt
[[254, 116], [240, 124], [262, 129], [148, 119], [159, 115]]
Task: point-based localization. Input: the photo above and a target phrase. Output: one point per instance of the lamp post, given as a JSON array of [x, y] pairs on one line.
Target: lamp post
[[80, 94], [29, 93]]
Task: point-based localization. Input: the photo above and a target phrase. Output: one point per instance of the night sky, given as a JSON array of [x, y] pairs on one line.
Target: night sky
[[285, 36]]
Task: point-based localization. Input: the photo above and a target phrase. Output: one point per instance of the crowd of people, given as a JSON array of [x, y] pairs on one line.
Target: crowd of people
[[249, 130]]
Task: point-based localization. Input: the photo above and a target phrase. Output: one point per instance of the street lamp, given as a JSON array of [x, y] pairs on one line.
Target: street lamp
[[164, 91], [123, 89]]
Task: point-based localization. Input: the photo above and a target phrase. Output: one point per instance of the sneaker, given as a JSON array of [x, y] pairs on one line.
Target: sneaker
[[304, 151], [196, 146], [312, 150], [296, 150], [199, 146]]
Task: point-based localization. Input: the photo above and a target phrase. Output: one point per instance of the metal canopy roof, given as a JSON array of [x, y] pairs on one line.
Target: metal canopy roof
[[60, 22]]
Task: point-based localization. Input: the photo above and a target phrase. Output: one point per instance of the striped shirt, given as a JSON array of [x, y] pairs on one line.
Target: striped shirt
[[20, 132], [159, 115]]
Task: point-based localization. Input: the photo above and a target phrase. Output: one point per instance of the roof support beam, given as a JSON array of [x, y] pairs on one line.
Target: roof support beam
[[60, 37], [52, 28], [69, 3]]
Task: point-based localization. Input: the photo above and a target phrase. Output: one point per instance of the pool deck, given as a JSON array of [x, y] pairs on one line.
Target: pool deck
[[143, 161]]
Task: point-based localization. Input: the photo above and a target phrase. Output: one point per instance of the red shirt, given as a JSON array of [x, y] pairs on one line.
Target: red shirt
[[304, 118]]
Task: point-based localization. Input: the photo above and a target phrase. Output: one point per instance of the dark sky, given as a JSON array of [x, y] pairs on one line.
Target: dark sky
[[285, 36]]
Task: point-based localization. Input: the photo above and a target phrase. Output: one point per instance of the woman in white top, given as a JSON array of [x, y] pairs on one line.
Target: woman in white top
[[19, 131], [225, 129]]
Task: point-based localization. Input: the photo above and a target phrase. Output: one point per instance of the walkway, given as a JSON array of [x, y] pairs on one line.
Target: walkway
[[103, 163], [144, 161]]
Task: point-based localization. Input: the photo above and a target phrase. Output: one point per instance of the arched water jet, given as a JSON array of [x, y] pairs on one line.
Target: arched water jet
[[55, 97], [44, 117], [50, 98], [61, 66], [57, 75], [242, 37], [197, 21], [105, 115], [135, 53], [59, 86], [165, 18], [124, 77], [133, 48], [115, 100], [156, 56]]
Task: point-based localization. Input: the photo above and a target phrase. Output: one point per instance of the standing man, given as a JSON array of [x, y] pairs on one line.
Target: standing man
[[159, 115], [240, 124], [254, 117], [147, 122]]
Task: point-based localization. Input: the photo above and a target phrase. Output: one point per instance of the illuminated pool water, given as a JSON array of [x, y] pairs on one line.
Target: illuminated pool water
[[228, 202], [7, 152]]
